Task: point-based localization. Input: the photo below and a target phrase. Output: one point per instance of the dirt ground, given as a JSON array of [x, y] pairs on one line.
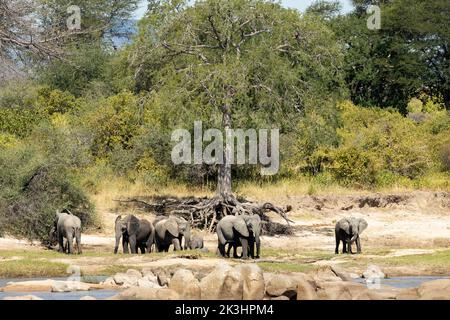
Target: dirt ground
[[408, 234]]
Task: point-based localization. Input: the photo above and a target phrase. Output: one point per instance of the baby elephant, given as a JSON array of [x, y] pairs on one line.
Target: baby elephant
[[68, 226], [348, 230], [196, 243]]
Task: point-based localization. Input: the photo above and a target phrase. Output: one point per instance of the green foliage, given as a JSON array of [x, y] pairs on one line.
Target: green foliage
[[114, 123], [36, 179]]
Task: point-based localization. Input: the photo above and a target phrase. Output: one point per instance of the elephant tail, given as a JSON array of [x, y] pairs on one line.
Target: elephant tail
[[220, 235]]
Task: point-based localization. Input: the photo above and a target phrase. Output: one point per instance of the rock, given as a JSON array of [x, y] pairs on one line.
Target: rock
[[326, 273], [28, 297], [134, 273], [185, 284], [204, 250], [435, 290], [147, 272], [254, 285], [163, 278], [373, 274], [286, 284], [223, 283], [88, 298], [340, 290], [108, 282], [69, 286], [127, 280], [29, 286], [280, 298], [147, 283], [136, 293], [408, 294], [342, 274], [306, 290]]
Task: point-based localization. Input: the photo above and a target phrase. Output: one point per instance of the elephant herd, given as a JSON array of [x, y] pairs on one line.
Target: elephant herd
[[236, 231]]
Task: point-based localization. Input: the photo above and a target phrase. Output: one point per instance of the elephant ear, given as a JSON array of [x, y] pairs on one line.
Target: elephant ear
[[133, 225], [172, 227], [241, 227], [362, 225]]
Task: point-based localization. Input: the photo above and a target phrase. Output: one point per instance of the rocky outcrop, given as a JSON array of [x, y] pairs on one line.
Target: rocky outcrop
[[253, 281], [435, 290], [136, 293], [288, 285], [186, 285], [223, 283]]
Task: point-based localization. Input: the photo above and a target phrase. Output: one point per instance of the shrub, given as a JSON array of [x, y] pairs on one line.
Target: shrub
[[33, 188]]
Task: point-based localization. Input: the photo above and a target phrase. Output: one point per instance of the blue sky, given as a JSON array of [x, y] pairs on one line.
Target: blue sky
[[298, 4]]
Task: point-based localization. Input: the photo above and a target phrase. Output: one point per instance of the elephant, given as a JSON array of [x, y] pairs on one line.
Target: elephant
[[67, 226], [171, 230], [241, 230], [348, 231], [136, 234], [196, 243]]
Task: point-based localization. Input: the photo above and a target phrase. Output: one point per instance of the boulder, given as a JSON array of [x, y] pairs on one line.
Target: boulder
[[28, 297], [29, 286], [163, 278], [185, 284], [136, 293], [435, 290], [286, 284], [88, 298], [69, 286], [134, 273], [326, 273], [148, 282], [306, 290], [223, 283], [253, 278], [341, 290], [108, 282], [408, 294], [280, 298], [127, 280]]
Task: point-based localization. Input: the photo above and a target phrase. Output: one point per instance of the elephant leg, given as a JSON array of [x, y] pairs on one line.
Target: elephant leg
[[78, 236], [61, 242], [244, 243], [176, 244], [358, 245], [221, 248], [344, 246], [132, 240], [70, 243], [125, 245], [336, 251]]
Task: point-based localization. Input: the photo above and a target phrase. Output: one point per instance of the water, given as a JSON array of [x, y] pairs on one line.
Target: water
[[406, 282], [397, 282], [76, 295]]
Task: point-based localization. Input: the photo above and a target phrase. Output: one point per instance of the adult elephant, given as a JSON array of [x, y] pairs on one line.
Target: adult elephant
[[241, 230], [171, 231], [348, 231], [136, 234], [68, 226]]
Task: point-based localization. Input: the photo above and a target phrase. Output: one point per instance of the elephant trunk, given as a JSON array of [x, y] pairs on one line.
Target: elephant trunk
[[187, 239], [116, 247], [353, 239], [258, 243]]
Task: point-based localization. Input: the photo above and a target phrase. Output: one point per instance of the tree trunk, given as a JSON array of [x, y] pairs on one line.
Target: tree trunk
[[224, 175]]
